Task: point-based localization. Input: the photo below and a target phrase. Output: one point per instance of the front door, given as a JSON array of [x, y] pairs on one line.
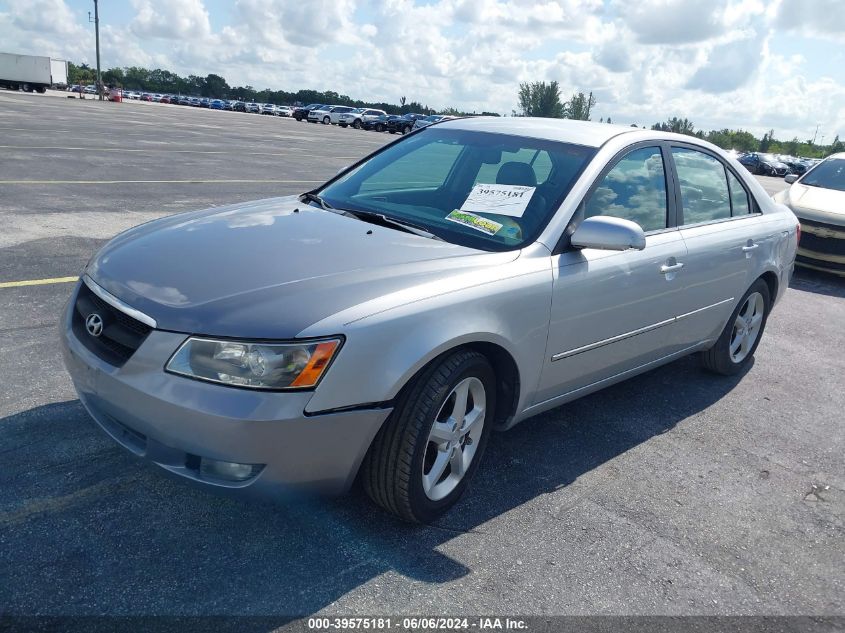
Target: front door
[[614, 311]]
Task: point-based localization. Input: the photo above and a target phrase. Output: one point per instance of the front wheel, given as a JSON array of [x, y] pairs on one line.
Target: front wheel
[[379, 127], [735, 347], [326, 120], [425, 454], [357, 124]]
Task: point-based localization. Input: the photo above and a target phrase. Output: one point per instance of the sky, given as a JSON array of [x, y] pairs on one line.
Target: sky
[[750, 64]]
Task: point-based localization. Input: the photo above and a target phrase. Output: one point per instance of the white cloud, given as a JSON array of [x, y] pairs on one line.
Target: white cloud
[[816, 18], [715, 62]]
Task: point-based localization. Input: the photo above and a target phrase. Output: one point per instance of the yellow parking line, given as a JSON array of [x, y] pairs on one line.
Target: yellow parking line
[[37, 282], [123, 182]]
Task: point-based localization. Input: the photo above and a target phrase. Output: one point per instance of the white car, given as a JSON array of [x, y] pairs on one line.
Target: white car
[[818, 199], [284, 111], [357, 117], [321, 115], [268, 108]]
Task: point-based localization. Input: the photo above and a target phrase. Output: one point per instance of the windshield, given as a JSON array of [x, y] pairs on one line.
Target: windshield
[[488, 191], [829, 174]]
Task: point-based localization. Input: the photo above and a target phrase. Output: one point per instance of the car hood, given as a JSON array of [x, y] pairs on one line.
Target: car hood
[[268, 269], [816, 203]]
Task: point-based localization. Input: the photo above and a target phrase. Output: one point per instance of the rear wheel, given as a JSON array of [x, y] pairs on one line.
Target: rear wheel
[[739, 340], [425, 454]]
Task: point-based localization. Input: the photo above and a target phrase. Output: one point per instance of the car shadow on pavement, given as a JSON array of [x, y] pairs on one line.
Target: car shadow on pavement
[[87, 528], [818, 282]]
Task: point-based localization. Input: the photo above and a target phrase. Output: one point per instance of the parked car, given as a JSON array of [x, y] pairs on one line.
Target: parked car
[[359, 116], [216, 104], [795, 165], [428, 120], [144, 97], [301, 113], [287, 360], [377, 123], [763, 164], [164, 99], [320, 115], [402, 124], [818, 199], [268, 108], [252, 108], [284, 110], [239, 106], [334, 114]]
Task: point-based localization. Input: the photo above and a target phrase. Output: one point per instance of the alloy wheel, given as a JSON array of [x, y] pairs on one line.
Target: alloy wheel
[[746, 327], [454, 438]]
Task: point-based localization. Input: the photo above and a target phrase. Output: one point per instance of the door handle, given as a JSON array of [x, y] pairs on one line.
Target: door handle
[[750, 247], [670, 268]]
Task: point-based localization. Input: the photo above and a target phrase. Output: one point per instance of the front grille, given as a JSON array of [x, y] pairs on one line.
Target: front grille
[[121, 334]]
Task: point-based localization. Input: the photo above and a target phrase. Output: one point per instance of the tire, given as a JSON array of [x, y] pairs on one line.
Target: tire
[[326, 120], [406, 129], [343, 125], [379, 127], [739, 333], [357, 124], [403, 452]]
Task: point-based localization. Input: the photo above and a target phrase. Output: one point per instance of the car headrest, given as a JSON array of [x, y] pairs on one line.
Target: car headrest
[[514, 173]]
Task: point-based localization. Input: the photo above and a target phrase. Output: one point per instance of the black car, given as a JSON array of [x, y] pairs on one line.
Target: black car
[[301, 113], [796, 165], [379, 123], [402, 124], [763, 164], [239, 106]]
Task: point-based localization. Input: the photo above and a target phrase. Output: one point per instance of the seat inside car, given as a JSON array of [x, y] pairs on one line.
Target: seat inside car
[[516, 173]]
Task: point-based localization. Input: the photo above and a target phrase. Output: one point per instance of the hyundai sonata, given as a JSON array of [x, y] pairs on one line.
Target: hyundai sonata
[[459, 280]]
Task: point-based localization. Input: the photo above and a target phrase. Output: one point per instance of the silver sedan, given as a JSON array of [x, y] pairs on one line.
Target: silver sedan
[[457, 281]]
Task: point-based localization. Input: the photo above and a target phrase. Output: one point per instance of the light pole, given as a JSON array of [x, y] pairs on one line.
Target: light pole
[[97, 37]]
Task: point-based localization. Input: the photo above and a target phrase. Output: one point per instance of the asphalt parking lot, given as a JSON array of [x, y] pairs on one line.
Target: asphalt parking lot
[[674, 493]]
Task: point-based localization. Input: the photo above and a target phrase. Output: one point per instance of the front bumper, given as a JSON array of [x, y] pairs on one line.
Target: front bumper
[[822, 246], [175, 421]]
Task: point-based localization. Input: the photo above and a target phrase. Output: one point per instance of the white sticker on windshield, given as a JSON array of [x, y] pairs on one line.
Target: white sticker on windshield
[[499, 199]]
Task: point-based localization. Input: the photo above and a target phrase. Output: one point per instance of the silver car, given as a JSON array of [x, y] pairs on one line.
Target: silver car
[[459, 280]]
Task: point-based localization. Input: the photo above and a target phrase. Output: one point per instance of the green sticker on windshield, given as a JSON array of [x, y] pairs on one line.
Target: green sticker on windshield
[[474, 222]]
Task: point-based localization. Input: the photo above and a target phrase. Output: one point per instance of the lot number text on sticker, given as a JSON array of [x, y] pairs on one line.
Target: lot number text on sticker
[[499, 199], [474, 222]]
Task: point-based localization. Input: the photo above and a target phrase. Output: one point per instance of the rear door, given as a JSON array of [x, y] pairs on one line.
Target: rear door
[[614, 311], [721, 226]]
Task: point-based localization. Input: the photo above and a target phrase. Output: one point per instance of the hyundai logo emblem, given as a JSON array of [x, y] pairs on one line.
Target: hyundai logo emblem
[[94, 324]]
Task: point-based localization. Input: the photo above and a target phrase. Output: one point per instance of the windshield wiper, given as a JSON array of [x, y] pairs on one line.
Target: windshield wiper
[[372, 217], [310, 196], [402, 225]]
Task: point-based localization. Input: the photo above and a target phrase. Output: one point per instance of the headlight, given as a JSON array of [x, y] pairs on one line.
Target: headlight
[[254, 365]]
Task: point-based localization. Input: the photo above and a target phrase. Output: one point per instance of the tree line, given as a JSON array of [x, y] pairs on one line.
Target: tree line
[[544, 99], [214, 86]]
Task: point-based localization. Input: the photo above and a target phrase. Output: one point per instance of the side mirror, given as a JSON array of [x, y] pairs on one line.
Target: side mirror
[[790, 178], [608, 234]]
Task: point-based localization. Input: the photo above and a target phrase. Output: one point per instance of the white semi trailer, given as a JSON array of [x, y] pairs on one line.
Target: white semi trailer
[[31, 72]]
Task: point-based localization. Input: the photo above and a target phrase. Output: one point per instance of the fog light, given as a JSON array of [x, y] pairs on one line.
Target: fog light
[[228, 471]]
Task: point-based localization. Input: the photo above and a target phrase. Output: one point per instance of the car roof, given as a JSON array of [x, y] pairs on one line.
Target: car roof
[[586, 133], [837, 155]]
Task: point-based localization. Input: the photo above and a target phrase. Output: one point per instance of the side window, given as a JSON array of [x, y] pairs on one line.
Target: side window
[[704, 186], [635, 189], [739, 197]]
